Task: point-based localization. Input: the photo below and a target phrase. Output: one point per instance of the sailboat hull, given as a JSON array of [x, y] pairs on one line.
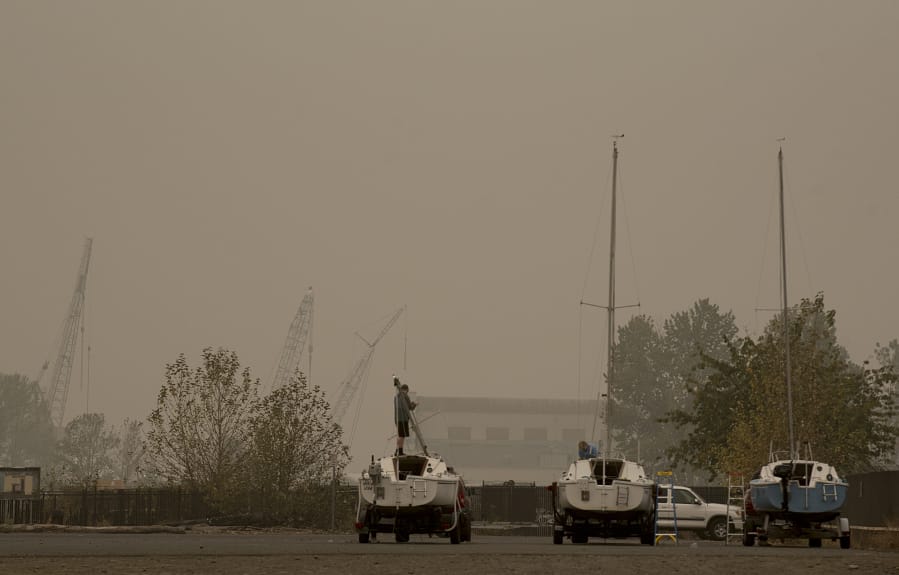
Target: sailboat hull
[[820, 502], [618, 501], [798, 488]]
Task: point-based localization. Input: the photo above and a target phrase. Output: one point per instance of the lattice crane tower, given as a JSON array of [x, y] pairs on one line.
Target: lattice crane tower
[[57, 391], [347, 389], [295, 344]]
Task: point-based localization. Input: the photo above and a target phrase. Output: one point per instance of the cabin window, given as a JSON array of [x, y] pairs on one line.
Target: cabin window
[[612, 471], [535, 434], [497, 433], [411, 466], [460, 433]]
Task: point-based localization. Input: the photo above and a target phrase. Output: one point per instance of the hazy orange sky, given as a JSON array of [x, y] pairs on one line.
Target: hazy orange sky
[[453, 157]]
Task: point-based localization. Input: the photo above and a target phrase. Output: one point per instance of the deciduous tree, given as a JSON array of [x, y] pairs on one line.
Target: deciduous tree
[[26, 431], [841, 410], [296, 445], [198, 432], [85, 451]]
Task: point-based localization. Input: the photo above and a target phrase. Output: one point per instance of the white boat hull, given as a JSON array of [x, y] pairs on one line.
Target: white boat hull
[[409, 481], [410, 492], [619, 500]]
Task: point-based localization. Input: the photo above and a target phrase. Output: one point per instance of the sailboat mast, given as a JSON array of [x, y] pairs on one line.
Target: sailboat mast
[[607, 440], [786, 309]]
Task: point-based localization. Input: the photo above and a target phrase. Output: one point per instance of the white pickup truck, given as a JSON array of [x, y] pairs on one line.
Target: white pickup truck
[[694, 514]]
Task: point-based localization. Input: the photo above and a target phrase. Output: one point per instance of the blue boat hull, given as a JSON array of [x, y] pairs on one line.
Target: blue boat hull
[[819, 502]]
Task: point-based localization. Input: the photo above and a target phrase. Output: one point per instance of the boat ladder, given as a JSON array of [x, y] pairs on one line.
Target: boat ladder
[[623, 491], [665, 486], [829, 490], [736, 499]]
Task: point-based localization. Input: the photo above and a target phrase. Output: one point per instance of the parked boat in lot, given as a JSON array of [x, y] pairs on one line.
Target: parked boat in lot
[[793, 496], [604, 496], [612, 490], [809, 488], [412, 493]]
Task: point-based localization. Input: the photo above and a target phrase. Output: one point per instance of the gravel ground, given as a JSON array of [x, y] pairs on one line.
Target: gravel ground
[[273, 552], [867, 563]]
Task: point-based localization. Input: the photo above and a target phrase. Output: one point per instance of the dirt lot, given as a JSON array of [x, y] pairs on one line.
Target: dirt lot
[[263, 552], [455, 564]]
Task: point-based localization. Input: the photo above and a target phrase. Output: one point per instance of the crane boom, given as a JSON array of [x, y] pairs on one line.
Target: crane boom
[[295, 343], [58, 387], [347, 389]]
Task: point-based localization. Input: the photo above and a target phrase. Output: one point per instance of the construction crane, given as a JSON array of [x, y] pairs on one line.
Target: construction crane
[[347, 389], [57, 391], [299, 330]]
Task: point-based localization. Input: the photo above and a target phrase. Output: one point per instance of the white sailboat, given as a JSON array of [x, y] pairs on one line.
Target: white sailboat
[[604, 496], [412, 493], [794, 496]]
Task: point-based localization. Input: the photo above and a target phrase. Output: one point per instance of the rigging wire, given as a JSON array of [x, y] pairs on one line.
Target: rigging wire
[[587, 275], [771, 210]]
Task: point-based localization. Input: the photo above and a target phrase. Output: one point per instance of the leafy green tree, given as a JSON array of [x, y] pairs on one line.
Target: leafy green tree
[[296, 447], [888, 357], [637, 394], [26, 430], [652, 374], [86, 449], [841, 410], [198, 432]]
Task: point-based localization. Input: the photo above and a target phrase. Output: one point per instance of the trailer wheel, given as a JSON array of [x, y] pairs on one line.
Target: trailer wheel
[[814, 542], [845, 542], [455, 536], [748, 533], [579, 538], [558, 537], [363, 537], [401, 537]]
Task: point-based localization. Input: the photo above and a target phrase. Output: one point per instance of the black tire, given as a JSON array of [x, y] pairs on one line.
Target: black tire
[[401, 537], [845, 543], [455, 536], [814, 542], [579, 538], [363, 537], [466, 528], [647, 533], [558, 537], [717, 529]]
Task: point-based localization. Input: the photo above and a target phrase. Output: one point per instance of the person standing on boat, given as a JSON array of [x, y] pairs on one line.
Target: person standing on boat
[[587, 450], [402, 413]]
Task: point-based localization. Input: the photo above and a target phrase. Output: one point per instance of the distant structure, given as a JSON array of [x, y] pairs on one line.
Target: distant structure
[[57, 388], [348, 388], [505, 439], [295, 344]]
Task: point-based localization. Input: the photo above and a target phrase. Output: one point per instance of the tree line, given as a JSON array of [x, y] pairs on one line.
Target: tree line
[[212, 430], [695, 396], [691, 394]]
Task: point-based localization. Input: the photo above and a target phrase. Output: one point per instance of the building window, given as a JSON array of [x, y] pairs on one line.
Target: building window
[[498, 433], [572, 435], [462, 433], [535, 434]]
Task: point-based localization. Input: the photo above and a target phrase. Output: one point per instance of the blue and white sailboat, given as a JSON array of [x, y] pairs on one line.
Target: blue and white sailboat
[[794, 495]]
